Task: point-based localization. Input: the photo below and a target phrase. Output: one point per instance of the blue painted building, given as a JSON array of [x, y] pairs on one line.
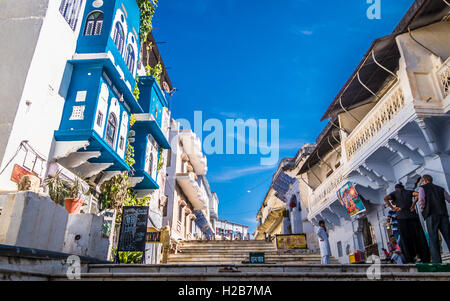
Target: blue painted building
[[149, 136], [100, 98]]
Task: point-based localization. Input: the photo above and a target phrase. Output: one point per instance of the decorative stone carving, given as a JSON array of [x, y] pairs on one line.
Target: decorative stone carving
[[383, 112], [444, 78], [29, 183], [97, 3]]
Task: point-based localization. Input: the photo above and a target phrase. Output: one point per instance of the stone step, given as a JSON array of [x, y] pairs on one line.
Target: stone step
[[245, 268], [242, 272]]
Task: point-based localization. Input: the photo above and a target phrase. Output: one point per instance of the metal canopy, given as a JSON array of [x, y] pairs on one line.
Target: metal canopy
[[327, 141], [385, 50]]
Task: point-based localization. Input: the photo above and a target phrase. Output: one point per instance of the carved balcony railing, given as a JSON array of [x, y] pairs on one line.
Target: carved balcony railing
[[382, 113], [444, 77], [327, 189]]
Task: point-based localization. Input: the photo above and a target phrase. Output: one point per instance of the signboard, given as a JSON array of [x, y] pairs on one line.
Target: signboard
[[153, 235], [349, 198], [133, 229], [291, 241], [18, 172], [257, 258]]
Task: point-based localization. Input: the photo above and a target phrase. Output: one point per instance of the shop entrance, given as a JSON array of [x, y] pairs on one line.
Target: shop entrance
[[370, 241]]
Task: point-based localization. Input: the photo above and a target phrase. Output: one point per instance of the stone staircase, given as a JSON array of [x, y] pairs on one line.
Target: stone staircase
[[238, 252]]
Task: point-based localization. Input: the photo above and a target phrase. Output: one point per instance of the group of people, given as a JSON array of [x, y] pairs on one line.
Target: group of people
[[414, 246]]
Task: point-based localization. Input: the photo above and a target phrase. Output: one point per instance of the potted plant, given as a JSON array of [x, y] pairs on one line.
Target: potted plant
[[58, 188], [74, 201]]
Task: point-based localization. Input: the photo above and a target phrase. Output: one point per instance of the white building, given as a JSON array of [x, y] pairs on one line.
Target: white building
[[188, 206], [389, 123], [226, 230]]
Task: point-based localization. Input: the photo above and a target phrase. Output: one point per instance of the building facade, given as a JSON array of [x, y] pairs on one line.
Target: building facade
[[188, 206], [390, 123], [226, 230], [284, 209], [69, 73]]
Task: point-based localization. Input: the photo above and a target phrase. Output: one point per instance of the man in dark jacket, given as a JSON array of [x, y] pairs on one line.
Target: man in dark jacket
[[434, 211], [412, 236]]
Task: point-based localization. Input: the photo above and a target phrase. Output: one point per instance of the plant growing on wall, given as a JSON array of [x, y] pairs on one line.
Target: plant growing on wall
[[155, 72], [161, 158], [147, 8], [136, 91]]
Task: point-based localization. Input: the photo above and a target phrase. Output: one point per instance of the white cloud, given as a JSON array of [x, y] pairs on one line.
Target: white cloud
[[236, 173]]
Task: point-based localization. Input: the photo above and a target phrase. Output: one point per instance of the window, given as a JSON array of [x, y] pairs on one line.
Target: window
[[100, 119], [339, 249], [121, 142], [94, 24], [77, 113], [70, 10], [111, 129], [130, 58], [119, 37]]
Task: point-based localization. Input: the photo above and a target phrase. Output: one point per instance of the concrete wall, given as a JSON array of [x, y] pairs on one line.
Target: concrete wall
[[34, 221]]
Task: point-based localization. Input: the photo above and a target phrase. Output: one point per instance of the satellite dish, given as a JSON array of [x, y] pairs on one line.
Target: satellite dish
[[166, 87]]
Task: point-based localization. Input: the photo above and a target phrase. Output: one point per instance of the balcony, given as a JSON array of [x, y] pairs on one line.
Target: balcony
[[381, 114], [326, 191], [146, 122], [196, 194], [193, 148]]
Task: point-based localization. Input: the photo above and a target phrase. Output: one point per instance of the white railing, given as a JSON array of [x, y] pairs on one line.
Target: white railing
[[324, 191], [444, 77], [382, 113]]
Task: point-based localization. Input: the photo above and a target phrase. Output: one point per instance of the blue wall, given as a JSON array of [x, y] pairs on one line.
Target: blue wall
[[103, 43]]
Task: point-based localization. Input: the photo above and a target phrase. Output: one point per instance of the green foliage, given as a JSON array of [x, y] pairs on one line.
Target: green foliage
[[115, 192], [285, 213], [129, 156], [132, 120], [161, 158], [155, 72], [147, 8], [58, 188], [128, 257], [136, 91]]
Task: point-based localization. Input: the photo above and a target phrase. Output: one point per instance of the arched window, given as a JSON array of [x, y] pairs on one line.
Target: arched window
[[94, 24], [130, 59], [111, 129], [119, 36], [70, 10]]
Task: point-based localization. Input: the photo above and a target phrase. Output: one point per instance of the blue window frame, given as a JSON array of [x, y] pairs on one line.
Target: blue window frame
[[94, 24], [130, 59], [70, 10], [119, 36], [111, 129]]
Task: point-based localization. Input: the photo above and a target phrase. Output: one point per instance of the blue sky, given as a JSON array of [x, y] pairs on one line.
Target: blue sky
[[263, 59]]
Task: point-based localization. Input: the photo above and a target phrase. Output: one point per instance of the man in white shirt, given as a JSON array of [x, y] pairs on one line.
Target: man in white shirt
[[324, 244]]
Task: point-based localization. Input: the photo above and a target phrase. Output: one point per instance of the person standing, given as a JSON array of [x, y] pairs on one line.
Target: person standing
[[434, 211], [325, 251], [412, 235]]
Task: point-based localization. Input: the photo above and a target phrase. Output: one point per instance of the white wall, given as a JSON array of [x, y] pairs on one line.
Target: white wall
[[46, 83]]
